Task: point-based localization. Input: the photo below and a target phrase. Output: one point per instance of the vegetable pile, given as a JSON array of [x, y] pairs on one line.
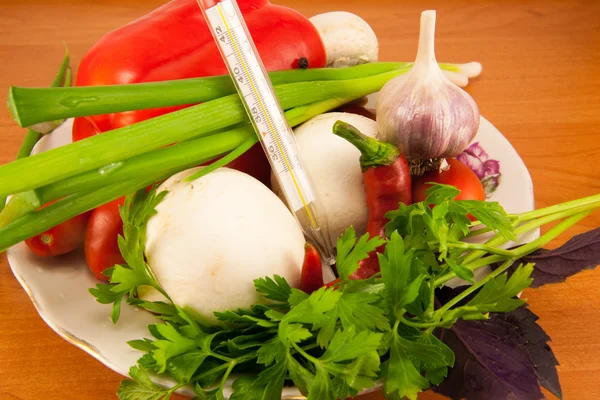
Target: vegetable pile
[[401, 326], [169, 192]]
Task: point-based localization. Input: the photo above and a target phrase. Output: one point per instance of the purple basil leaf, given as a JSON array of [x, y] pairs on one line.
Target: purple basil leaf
[[579, 253], [541, 354], [504, 357], [492, 362]]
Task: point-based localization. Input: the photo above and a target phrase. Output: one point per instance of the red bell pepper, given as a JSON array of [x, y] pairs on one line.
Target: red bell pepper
[[174, 42]]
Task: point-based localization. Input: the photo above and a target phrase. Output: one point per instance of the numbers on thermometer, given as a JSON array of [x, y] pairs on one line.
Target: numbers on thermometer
[[260, 102], [238, 74]]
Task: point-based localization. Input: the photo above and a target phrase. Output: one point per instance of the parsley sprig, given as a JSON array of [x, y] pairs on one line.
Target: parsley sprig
[[126, 279], [336, 341]]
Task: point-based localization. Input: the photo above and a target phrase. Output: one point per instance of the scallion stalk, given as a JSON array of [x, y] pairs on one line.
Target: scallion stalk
[[35, 105], [63, 77], [173, 158], [43, 219], [29, 106], [120, 144], [570, 212]]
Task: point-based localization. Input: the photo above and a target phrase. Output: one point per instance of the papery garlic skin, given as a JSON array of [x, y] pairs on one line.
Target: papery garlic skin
[[422, 112]]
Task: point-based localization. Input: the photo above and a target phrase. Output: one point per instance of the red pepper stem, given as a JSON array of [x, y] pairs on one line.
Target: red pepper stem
[[373, 152]]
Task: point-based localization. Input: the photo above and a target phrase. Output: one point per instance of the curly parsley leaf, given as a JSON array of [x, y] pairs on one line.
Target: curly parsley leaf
[[125, 279], [241, 317], [347, 344], [312, 310], [135, 213], [105, 294], [273, 350], [275, 288], [441, 220], [141, 345], [297, 297], [184, 366], [321, 387], [402, 378], [350, 251], [400, 274], [499, 294], [333, 370], [439, 193], [491, 214], [302, 377], [363, 311], [141, 387], [173, 344]]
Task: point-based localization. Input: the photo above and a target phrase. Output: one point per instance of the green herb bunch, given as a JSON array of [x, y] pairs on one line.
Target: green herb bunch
[[339, 340]]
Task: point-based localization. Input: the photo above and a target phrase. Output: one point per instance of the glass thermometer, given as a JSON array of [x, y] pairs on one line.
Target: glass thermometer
[[252, 82]]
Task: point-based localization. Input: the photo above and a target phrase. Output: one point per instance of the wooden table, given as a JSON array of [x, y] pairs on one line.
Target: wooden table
[[540, 86]]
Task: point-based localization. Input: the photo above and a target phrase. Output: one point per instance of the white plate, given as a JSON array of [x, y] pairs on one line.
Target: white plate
[[58, 287]]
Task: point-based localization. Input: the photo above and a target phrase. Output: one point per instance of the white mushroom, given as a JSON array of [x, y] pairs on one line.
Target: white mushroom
[[334, 168], [348, 39], [212, 237]]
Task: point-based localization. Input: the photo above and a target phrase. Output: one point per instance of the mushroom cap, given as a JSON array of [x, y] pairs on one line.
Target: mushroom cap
[[348, 39], [334, 168], [211, 237]]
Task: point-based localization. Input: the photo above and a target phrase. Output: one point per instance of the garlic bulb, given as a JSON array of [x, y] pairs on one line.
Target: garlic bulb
[[422, 112]]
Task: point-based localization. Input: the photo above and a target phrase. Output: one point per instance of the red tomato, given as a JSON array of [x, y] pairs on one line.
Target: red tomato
[[62, 239], [311, 278], [101, 238], [333, 282], [82, 128], [458, 175]]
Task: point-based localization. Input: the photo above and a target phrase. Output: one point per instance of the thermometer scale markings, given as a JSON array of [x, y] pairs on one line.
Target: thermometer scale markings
[[280, 152]]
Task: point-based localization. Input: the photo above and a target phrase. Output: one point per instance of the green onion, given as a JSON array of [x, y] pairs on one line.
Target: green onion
[[38, 221], [92, 189], [63, 77], [34, 105], [571, 212], [177, 157], [120, 144], [171, 159]]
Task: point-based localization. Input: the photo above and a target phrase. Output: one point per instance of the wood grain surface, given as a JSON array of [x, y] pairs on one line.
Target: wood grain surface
[[540, 86]]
